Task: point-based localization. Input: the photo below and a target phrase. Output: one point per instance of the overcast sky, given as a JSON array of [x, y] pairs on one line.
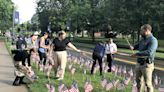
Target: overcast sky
[[26, 9]]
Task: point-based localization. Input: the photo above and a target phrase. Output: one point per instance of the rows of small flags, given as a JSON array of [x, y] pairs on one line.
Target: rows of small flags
[[117, 70], [85, 65]]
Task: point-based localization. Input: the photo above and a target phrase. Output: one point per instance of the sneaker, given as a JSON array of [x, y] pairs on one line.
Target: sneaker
[[109, 70]]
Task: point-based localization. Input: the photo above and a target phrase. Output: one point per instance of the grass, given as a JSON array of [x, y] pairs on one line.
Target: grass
[[38, 86]]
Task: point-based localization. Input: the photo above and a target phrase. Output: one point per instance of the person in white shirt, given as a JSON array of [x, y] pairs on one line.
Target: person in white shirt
[[111, 49]]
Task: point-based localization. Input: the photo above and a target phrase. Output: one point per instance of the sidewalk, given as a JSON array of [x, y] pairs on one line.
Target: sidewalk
[[7, 72]]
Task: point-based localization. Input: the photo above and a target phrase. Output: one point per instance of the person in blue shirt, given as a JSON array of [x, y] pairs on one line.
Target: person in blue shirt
[[146, 47], [98, 54]]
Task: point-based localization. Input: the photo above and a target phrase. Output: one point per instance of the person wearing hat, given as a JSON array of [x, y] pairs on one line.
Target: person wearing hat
[[111, 49], [60, 55], [33, 40]]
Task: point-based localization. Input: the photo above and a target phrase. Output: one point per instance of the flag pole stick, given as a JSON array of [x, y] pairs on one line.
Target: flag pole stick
[[129, 44]]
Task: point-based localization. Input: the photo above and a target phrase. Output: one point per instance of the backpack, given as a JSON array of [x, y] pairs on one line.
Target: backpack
[[99, 50]]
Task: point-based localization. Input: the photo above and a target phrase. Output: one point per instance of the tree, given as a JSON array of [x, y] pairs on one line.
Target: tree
[[6, 11]]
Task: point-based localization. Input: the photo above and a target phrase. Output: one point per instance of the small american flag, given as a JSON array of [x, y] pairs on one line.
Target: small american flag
[[134, 86], [73, 71], [156, 80], [60, 87], [70, 66], [120, 70], [74, 87], [127, 80], [65, 89], [113, 68], [124, 70], [88, 87], [115, 82], [103, 82], [50, 87], [116, 70], [109, 86], [59, 72], [131, 72], [75, 60], [90, 65], [120, 86], [161, 89], [31, 75]]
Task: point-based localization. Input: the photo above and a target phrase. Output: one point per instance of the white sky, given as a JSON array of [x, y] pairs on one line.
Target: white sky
[[26, 9]]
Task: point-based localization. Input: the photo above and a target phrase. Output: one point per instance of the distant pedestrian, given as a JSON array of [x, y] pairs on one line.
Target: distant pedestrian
[[111, 49], [98, 54], [147, 47]]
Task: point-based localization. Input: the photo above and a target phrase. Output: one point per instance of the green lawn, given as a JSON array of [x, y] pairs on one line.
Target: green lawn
[[38, 86]]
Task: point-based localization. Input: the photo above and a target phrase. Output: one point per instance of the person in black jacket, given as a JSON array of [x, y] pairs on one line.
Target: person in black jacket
[[19, 62], [21, 43], [98, 54]]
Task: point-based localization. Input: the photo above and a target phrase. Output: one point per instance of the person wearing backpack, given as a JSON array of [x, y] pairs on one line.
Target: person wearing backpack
[[98, 54]]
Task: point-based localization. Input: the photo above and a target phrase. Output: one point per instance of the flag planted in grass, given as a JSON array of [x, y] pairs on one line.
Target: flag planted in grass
[[88, 87], [103, 82], [127, 80], [121, 86], [109, 86], [50, 87], [60, 87], [134, 86], [74, 87]]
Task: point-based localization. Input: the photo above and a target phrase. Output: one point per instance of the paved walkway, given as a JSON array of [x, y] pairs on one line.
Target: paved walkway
[[7, 72]]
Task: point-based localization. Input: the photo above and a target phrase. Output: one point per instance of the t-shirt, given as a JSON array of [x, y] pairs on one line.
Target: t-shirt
[[60, 45], [110, 48]]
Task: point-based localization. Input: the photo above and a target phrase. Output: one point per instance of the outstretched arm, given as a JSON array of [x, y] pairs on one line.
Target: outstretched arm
[[73, 47]]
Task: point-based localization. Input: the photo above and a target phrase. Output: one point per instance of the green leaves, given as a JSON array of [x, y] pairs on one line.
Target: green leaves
[[6, 10]]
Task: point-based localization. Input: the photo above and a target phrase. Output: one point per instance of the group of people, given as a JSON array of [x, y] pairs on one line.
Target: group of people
[[146, 47], [41, 46], [109, 48]]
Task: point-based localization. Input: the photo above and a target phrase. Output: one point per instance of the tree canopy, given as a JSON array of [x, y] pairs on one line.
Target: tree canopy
[[6, 11], [123, 16]]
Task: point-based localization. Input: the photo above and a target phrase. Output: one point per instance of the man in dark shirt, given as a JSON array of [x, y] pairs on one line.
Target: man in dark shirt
[[147, 47]]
